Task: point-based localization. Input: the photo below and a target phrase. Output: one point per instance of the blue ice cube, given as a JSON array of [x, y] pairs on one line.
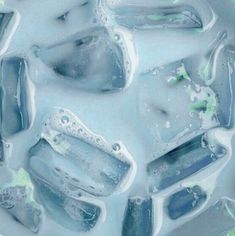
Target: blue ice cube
[[142, 17], [82, 166], [5, 18], [76, 215], [185, 201], [90, 60], [217, 220], [14, 103], [182, 162], [138, 217], [15, 200]]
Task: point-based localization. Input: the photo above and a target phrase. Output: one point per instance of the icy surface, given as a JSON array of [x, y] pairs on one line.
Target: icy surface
[[117, 117]]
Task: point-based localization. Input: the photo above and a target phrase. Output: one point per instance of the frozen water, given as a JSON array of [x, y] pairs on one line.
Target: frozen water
[[73, 214], [14, 103], [68, 152], [138, 217], [91, 59], [16, 198], [216, 220], [181, 162], [142, 17], [185, 201]]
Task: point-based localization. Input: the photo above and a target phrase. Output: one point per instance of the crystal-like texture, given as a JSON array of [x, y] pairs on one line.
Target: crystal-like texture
[[185, 201], [138, 217], [14, 94], [181, 162]]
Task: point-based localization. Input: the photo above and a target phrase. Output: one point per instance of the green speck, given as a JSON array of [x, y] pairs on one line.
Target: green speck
[[231, 233], [154, 17]]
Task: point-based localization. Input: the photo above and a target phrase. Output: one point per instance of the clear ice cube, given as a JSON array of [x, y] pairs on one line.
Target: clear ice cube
[[185, 201], [74, 214], [90, 59], [182, 162], [217, 220], [84, 165], [138, 219], [14, 102], [142, 17]]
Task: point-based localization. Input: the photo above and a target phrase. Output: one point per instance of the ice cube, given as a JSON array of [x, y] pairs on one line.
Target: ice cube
[[70, 151], [14, 104], [138, 217], [9, 20], [74, 214], [185, 201], [91, 60], [5, 18], [182, 162], [217, 220], [16, 197], [142, 17]]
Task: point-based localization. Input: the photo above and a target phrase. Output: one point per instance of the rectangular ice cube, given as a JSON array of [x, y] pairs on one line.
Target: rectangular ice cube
[[185, 201], [181, 162], [14, 103], [141, 17], [138, 217], [82, 166], [76, 215], [217, 220]]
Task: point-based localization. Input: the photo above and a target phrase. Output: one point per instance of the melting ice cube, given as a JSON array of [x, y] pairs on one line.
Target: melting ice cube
[[142, 17], [70, 152], [185, 201], [8, 21], [16, 198], [74, 214], [92, 60], [14, 93], [138, 217], [181, 162], [217, 220]]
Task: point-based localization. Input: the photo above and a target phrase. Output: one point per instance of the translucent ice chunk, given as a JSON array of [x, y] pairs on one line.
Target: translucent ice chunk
[[217, 220], [181, 162], [14, 104], [74, 159], [76, 215], [5, 18], [138, 217], [142, 17], [91, 59], [8, 22], [16, 198], [185, 201]]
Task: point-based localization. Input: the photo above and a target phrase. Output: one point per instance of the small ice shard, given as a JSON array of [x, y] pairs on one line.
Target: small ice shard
[[217, 220], [74, 214], [5, 18], [142, 17], [182, 162], [95, 168], [185, 201], [14, 93], [91, 60], [16, 197], [138, 219]]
